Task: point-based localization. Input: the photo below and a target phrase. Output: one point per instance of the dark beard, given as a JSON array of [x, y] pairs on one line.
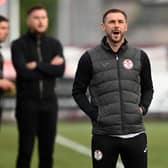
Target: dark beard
[[114, 41]]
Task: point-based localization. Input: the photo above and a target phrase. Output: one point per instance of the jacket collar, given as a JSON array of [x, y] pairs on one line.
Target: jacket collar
[[35, 35], [106, 46]]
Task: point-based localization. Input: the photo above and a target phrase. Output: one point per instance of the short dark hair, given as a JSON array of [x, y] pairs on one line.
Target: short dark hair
[[35, 7], [3, 19], [114, 11]]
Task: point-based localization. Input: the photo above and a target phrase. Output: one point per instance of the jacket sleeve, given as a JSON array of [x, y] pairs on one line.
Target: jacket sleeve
[[80, 85], [146, 83], [53, 70], [18, 60]]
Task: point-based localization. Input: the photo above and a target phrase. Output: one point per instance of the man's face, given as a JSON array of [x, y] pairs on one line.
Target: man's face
[[4, 29], [115, 27], [37, 21]]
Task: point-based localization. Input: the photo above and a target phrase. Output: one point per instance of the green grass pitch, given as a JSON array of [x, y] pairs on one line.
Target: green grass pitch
[[80, 132]]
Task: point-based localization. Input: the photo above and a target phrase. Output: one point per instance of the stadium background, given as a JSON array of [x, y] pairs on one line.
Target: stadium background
[[77, 24]]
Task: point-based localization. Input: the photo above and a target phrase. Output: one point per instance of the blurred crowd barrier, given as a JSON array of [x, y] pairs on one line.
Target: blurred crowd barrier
[[68, 108]]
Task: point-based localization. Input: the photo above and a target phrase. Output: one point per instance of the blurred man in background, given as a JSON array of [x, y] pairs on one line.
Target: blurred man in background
[[38, 60], [119, 79], [5, 84]]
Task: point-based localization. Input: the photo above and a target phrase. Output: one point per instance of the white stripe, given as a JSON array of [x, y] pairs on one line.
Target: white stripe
[[73, 145], [78, 147], [119, 164]]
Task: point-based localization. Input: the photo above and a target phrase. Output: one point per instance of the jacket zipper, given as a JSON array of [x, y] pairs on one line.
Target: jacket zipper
[[120, 91], [40, 59]]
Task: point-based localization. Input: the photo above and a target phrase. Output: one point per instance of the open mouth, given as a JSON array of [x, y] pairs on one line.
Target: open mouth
[[116, 32]]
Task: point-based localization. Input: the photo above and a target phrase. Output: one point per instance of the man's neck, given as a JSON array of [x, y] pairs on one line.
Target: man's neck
[[115, 46]]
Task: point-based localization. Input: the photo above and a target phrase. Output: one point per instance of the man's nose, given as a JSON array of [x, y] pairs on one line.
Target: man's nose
[[116, 24]]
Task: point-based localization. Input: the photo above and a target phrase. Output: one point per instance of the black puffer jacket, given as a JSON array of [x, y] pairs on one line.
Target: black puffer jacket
[[115, 90], [119, 85]]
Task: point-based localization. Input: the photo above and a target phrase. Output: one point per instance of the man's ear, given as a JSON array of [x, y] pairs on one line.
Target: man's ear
[[102, 26], [28, 21], [126, 27]]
